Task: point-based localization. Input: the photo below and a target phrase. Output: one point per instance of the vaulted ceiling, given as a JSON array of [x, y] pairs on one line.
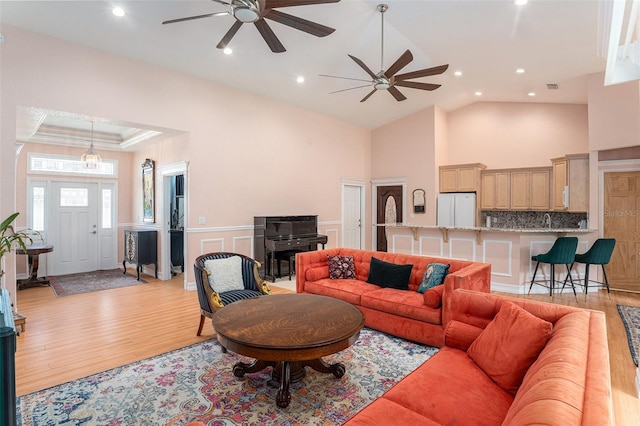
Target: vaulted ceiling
[[554, 41]]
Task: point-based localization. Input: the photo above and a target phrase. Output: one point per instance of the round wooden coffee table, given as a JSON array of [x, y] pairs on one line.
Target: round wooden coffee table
[[288, 332]]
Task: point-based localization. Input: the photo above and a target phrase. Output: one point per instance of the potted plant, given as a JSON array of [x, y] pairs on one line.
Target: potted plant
[[9, 237]]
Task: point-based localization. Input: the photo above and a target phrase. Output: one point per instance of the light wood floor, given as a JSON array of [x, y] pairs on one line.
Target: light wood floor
[[70, 337]]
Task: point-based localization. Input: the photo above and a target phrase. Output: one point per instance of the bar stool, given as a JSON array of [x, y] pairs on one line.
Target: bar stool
[[599, 254], [563, 251]]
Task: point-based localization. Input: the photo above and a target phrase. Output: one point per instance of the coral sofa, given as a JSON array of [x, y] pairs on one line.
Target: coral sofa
[[568, 382], [403, 313]]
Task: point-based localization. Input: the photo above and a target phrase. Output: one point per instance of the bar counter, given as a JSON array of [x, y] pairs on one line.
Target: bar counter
[[508, 250]]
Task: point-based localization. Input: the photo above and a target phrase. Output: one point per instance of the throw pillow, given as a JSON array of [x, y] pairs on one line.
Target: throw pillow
[[434, 275], [341, 267], [225, 274], [387, 274], [509, 344]]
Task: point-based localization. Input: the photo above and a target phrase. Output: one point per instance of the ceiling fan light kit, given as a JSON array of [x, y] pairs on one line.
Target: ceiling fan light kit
[[257, 12], [387, 79]]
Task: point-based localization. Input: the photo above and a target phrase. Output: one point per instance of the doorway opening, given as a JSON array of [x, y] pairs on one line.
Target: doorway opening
[[175, 206]]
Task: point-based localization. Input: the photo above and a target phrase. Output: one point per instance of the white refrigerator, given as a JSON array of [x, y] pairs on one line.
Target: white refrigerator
[[457, 209]]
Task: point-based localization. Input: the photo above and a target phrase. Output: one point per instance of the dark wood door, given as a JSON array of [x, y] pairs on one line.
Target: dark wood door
[[389, 209]]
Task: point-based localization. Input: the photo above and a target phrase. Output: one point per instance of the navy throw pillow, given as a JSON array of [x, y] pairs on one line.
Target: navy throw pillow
[[387, 274], [434, 275]]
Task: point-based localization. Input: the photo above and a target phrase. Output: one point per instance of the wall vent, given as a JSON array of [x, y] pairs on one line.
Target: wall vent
[[552, 86]]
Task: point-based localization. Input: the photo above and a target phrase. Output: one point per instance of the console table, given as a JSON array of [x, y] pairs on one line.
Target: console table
[[34, 252]]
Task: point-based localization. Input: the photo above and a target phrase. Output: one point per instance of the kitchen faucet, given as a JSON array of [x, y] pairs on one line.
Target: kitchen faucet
[[547, 219]]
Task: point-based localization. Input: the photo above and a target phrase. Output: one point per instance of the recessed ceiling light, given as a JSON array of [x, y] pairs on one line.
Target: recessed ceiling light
[[478, 93], [300, 79], [531, 94], [520, 2], [457, 73], [227, 51], [520, 71], [118, 11]]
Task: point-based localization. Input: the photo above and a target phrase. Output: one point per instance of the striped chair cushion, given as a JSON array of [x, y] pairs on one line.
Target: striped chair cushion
[[235, 295]]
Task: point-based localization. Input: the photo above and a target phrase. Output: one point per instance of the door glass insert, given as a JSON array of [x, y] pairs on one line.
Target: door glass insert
[[390, 212], [74, 197]]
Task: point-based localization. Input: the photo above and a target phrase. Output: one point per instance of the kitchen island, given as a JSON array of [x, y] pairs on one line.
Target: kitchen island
[[508, 250]]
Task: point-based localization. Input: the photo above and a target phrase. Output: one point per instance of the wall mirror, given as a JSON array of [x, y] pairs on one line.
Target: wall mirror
[[418, 201], [148, 191]]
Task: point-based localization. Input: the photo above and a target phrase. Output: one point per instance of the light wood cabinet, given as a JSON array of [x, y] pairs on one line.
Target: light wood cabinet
[[539, 189], [461, 177], [495, 190], [570, 184], [520, 182], [530, 189]]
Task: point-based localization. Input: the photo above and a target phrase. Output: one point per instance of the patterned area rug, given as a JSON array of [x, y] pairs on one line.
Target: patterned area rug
[[66, 285], [631, 319], [197, 383]]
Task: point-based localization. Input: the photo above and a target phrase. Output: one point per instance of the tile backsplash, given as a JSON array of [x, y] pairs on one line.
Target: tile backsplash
[[532, 219]]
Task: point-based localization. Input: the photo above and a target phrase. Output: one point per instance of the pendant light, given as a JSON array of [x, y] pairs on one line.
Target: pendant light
[[91, 158]]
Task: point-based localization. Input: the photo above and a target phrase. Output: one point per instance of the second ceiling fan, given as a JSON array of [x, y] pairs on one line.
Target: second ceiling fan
[[256, 11], [387, 79]]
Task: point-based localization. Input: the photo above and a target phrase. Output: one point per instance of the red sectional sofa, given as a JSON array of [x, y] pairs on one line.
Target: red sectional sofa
[[568, 383], [403, 313]]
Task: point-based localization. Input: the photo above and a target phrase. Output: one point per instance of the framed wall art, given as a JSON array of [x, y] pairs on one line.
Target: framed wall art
[[148, 191]]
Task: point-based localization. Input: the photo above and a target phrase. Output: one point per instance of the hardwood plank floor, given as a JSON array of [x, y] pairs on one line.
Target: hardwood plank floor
[[70, 337]]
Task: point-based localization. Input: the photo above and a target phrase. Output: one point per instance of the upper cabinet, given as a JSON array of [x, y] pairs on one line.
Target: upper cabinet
[[495, 190], [570, 185], [461, 177], [515, 189], [530, 188]]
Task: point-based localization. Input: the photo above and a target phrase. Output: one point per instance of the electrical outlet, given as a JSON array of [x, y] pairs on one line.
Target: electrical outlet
[[201, 220]]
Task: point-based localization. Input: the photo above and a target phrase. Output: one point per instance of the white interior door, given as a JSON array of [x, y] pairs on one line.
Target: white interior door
[[352, 215], [73, 229]]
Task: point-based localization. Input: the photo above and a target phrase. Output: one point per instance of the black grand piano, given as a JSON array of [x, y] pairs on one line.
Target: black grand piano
[[277, 235]]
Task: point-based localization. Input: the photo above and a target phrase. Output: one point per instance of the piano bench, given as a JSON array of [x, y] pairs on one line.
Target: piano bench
[[288, 256]]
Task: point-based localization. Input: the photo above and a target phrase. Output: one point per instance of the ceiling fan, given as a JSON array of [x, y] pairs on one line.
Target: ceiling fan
[[387, 79], [256, 11]]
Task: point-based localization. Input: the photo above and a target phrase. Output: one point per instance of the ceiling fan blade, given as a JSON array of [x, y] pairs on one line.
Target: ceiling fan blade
[[350, 88], [423, 73], [269, 36], [288, 3], [229, 35], [189, 18], [396, 94], [369, 95], [363, 66], [400, 63], [226, 3], [313, 28], [345, 78], [417, 85]]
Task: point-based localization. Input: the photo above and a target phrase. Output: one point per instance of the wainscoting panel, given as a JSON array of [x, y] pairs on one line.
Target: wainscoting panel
[[402, 244], [500, 255], [211, 245], [464, 248], [431, 246]]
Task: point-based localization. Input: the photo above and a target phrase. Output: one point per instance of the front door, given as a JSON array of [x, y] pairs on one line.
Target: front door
[[622, 222], [73, 228], [389, 210]]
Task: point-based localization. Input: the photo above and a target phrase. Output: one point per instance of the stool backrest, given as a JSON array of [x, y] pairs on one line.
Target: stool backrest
[[600, 252], [563, 251]]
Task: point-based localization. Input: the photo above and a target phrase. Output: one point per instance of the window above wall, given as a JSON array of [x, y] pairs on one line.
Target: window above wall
[[63, 165]]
